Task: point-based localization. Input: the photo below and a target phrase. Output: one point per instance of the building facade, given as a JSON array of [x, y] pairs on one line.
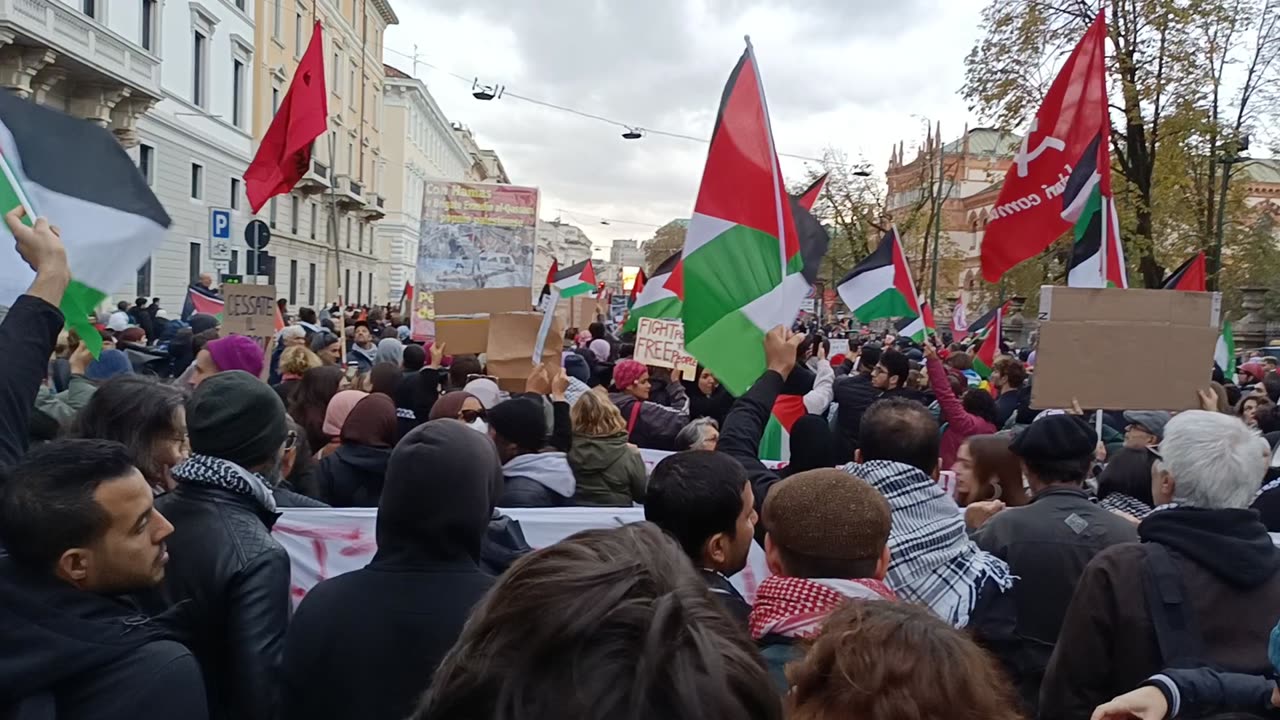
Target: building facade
[[564, 243], [626, 252], [323, 236], [420, 145]]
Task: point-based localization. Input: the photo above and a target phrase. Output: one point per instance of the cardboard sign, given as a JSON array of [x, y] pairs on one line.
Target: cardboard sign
[[839, 346], [660, 343], [583, 311], [250, 310], [1114, 349], [511, 339], [462, 316]]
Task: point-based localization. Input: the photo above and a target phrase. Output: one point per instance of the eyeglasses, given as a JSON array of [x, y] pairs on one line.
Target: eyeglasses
[[470, 416]]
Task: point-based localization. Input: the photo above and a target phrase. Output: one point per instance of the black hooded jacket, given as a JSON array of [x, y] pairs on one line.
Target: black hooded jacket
[[70, 654], [352, 475], [365, 644]]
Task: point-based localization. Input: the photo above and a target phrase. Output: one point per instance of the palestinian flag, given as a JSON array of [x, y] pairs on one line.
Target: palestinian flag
[[637, 287], [1087, 202], [545, 296], [1224, 354], [922, 325], [775, 444], [989, 349], [206, 305], [1190, 275], [880, 286], [75, 174], [810, 195], [982, 325], [577, 279], [660, 296], [744, 264], [1038, 203]]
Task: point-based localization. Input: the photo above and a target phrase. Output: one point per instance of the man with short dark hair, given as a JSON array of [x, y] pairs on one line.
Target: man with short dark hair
[[1007, 377], [81, 529], [826, 542], [854, 394], [363, 351], [703, 500], [1047, 544], [891, 372], [230, 574]]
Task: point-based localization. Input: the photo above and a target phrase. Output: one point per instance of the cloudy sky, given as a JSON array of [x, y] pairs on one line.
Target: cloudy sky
[[855, 76]]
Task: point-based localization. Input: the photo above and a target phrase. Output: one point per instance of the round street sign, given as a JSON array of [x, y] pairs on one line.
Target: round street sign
[[257, 235]]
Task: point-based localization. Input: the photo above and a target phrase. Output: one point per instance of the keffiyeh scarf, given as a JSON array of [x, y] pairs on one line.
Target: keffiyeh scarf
[[796, 607], [216, 472], [1127, 504], [931, 558]]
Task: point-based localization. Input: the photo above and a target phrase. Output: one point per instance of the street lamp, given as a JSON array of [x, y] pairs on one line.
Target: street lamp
[[1231, 154], [632, 134]]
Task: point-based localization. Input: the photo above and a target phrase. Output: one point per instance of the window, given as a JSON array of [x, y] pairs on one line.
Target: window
[[346, 286], [333, 76], [315, 219], [149, 25], [297, 35], [268, 268], [359, 285], [311, 283], [240, 4], [293, 214], [193, 262], [235, 193], [360, 230], [146, 162], [234, 267], [199, 52], [237, 92], [293, 282], [277, 20], [377, 108], [351, 157], [90, 8], [197, 181], [351, 86], [142, 287], [348, 233], [275, 98], [272, 214]]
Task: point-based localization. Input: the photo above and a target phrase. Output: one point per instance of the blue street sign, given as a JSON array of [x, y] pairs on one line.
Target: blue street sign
[[219, 224]]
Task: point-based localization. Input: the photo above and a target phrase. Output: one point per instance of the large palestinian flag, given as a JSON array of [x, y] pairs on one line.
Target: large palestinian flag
[[743, 259], [660, 296], [577, 279], [75, 174], [880, 286], [1190, 275], [1038, 203], [775, 444]]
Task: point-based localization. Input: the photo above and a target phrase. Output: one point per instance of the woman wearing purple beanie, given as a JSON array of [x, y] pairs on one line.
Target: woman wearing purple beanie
[[233, 352]]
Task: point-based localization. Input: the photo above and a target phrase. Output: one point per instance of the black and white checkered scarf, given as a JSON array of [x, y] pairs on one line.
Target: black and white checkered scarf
[[931, 558], [216, 472]]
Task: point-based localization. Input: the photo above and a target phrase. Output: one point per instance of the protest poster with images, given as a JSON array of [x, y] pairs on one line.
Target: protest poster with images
[[660, 343], [250, 310], [472, 236]]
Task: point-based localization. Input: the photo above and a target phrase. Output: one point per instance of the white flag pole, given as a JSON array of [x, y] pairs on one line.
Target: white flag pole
[[548, 313]]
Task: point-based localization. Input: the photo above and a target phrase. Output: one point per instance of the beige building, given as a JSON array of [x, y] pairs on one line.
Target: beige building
[[343, 192]]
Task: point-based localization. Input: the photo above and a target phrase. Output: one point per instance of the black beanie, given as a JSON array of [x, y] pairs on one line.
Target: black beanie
[[235, 416], [521, 421], [1055, 437]]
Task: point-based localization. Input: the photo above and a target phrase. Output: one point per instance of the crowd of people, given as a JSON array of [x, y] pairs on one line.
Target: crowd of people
[[935, 547]]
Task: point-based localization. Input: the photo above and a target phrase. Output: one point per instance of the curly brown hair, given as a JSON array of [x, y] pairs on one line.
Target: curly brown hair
[[866, 664]]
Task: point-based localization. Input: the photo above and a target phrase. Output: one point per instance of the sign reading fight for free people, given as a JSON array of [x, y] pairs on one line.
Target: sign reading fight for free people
[[660, 343]]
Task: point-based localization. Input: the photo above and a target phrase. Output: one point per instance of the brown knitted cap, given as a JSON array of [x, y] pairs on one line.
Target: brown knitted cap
[[827, 513]]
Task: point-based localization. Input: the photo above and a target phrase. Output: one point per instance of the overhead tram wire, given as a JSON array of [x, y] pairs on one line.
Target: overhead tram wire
[[507, 93]]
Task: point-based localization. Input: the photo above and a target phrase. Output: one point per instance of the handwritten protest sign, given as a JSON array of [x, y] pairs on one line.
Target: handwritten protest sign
[[660, 343], [839, 346], [250, 310]]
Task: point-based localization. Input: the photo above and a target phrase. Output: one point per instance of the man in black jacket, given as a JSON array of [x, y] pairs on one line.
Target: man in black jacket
[[854, 394], [229, 575], [365, 644], [81, 529]]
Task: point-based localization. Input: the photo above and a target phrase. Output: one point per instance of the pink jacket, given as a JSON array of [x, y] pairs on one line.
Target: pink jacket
[[960, 424]]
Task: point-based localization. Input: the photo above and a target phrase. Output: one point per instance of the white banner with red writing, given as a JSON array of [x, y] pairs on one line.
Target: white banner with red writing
[[323, 543]]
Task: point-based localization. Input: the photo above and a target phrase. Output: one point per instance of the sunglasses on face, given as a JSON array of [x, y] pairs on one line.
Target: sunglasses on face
[[470, 416]]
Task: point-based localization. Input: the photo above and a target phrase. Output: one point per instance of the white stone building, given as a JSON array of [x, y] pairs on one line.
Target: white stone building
[[419, 145], [566, 243]]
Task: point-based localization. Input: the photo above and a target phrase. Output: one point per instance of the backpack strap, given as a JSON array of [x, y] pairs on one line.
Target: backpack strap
[[635, 415], [1177, 631]]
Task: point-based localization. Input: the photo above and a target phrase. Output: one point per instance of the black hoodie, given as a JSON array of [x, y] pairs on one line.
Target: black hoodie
[[1231, 544], [68, 654], [365, 644]]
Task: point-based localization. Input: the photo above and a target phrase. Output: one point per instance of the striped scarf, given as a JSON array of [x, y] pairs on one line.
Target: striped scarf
[[796, 607], [931, 558]]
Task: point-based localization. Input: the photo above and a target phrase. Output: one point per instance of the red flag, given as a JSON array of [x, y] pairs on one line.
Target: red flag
[[284, 155], [279, 320], [1190, 275], [1029, 213], [810, 195], [551, 272]]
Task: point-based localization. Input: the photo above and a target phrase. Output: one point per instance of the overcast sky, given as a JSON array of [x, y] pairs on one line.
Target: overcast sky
[[857, 76]]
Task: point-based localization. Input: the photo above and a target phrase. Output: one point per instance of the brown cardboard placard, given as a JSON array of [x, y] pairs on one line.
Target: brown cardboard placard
[[488, 300], [250, 310], [463, 335], [660, 343], [1115, 349], [583, 312], [512, 336]]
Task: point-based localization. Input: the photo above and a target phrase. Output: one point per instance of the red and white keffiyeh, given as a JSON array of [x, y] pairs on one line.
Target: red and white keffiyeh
[[796, 607]]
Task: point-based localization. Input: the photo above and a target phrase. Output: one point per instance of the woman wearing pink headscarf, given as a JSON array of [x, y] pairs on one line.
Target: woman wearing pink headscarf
[[649, 424], [335, 415]]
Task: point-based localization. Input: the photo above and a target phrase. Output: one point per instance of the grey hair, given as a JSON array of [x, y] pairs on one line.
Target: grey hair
[[1216, 460], [293, 331], [692, 435]]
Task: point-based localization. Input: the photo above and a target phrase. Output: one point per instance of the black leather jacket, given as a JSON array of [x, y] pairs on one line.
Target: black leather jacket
[[233, 579]]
